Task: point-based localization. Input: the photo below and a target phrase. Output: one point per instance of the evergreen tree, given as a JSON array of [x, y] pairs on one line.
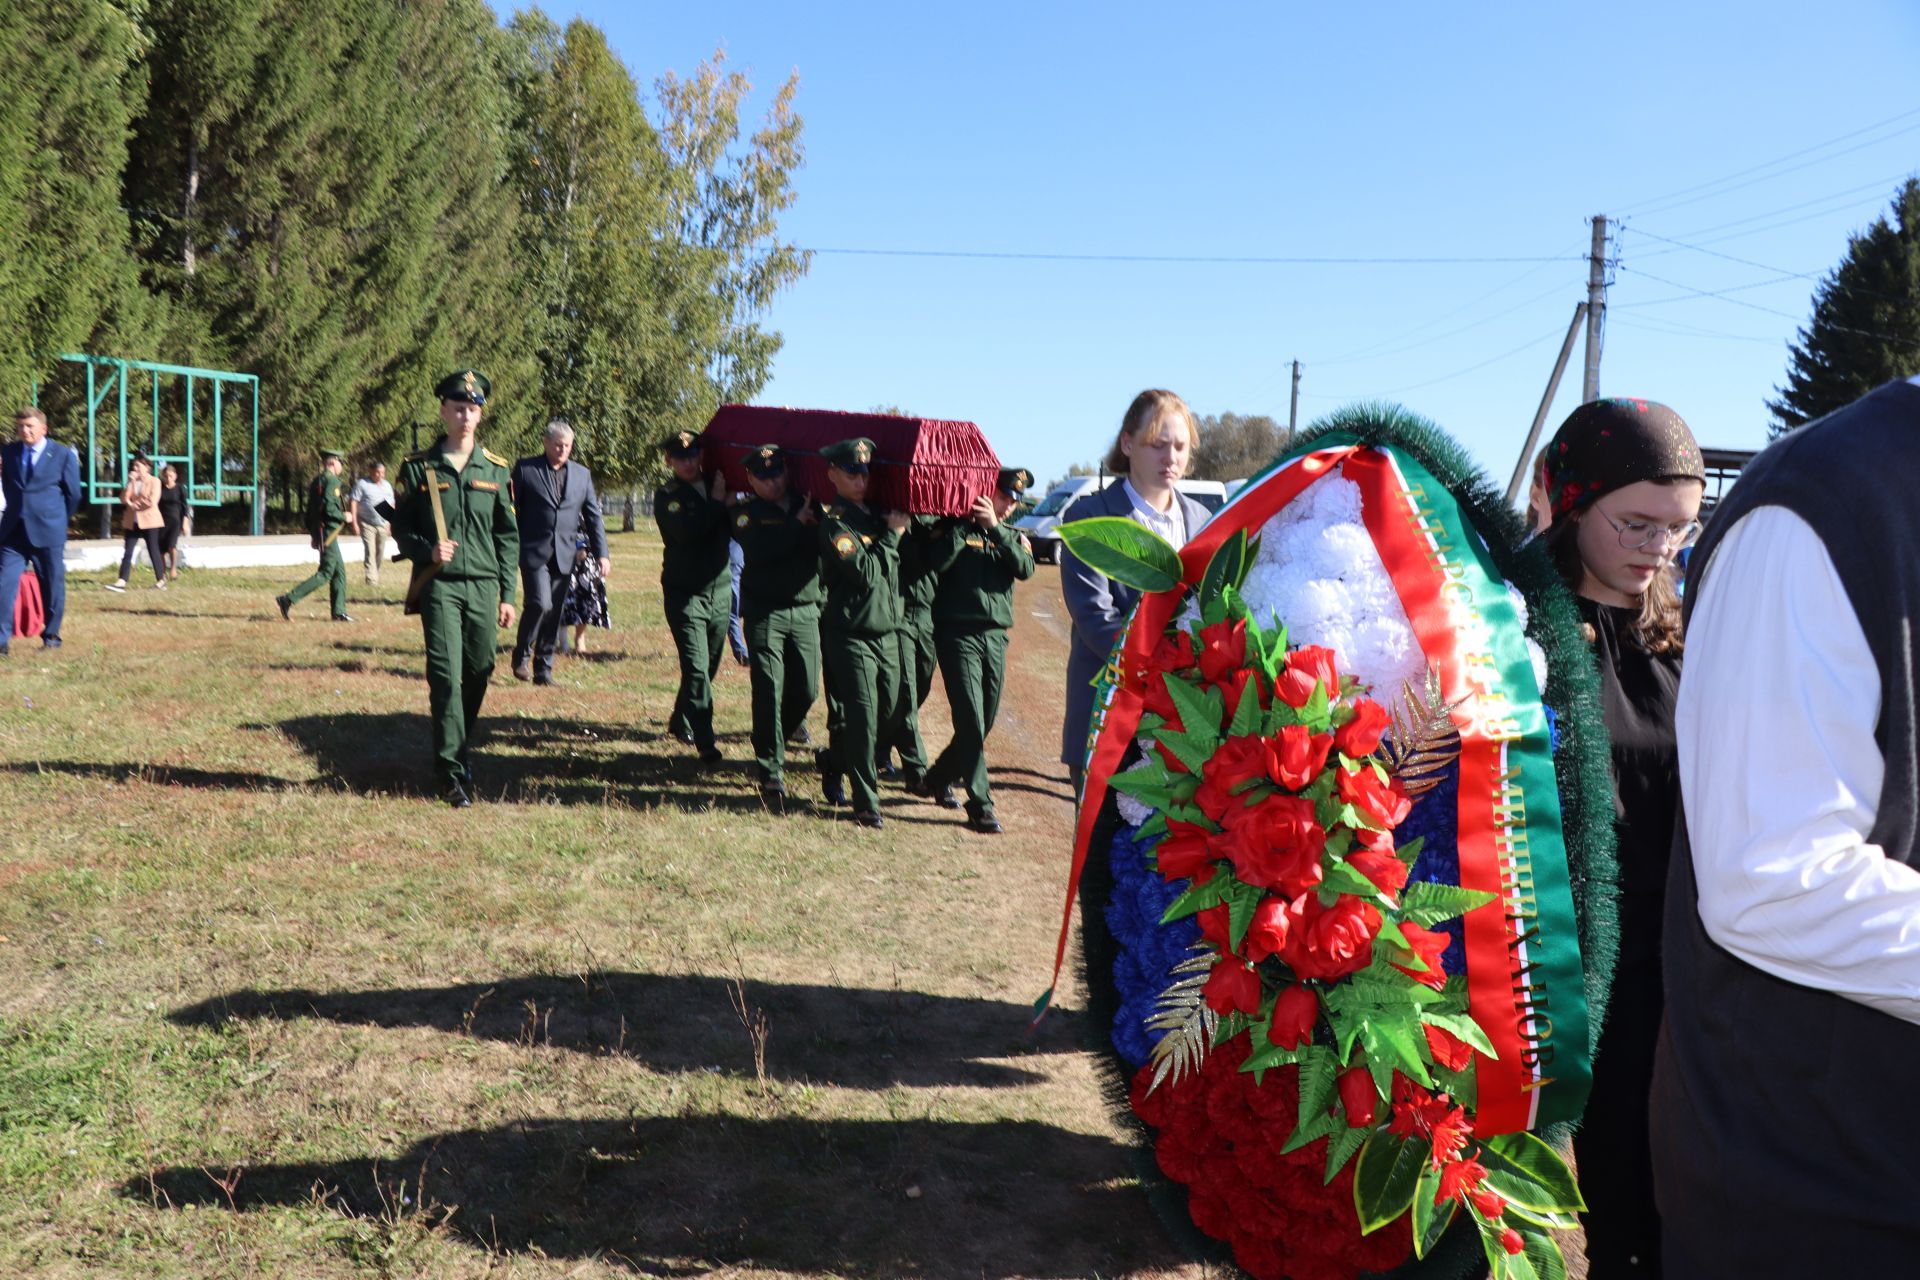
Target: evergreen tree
[[1865, 329], [73, 75]]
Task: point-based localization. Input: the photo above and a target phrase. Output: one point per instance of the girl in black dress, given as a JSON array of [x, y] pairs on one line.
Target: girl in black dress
[[1624, 480], [173, 516]]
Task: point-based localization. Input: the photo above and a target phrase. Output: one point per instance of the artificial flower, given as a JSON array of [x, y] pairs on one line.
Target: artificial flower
[[1299, 755], [1329, 942], [1307, 666], [1385, 803], [1448, 1050], [1358, 1096], [1295, 1010], [1360, 736], [1427, 944], [1450, 1136], [1276, 844], [1232, 987], [1185, 853], [1457, 1179], [1223, 650], [1268, 931], [1216, 926], [1388, 873], [1415, 1110], [1512, 1241], [1487, 1204], [1235, 762]]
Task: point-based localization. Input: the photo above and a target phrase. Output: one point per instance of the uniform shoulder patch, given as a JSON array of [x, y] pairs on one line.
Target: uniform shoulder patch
[[493, 457], [844, 545], [743, 520], [673, 506]]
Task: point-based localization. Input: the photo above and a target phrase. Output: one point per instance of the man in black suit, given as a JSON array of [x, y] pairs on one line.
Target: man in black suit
[[41, 481], [557, 504]]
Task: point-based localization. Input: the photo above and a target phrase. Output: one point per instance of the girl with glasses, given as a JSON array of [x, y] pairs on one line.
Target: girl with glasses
[[1624, 479]]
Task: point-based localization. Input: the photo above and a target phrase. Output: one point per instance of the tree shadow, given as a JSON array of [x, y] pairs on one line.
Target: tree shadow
[[681, 1196], [856, 1038], [159, 775]]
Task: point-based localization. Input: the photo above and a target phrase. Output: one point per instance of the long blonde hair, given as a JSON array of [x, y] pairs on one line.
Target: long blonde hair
[[1145, 423]]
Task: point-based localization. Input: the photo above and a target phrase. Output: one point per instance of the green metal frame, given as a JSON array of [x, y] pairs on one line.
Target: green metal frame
[[106, 491]]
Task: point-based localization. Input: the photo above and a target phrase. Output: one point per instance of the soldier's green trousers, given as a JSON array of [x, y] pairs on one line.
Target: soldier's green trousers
[[917, 658], [461, 620], [699, 625], [333, 573], [863, 707], [783, 657], [973, 667]]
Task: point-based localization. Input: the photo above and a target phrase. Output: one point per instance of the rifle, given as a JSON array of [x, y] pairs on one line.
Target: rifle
[[423, 570]]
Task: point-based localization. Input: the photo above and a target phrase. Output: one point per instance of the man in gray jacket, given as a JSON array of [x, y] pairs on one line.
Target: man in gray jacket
[[556, 505]]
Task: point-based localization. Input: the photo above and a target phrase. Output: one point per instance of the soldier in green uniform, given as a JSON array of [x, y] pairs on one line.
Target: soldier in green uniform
[[780, 598], [978, 559], [696, 585], [916, 654], [326, 515], [860, 565], [454, 518]]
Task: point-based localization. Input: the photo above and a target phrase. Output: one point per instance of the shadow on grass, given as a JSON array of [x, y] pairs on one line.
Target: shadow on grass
[[681, 1196], [522, 758], [855, 1038], [159, 775]]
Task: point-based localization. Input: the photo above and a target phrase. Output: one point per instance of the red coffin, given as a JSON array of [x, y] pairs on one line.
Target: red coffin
[[924, 465]]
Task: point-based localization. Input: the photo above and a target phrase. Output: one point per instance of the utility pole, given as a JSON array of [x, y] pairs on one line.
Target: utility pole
[[1293, 406], [1596, 308], [1520, 469]]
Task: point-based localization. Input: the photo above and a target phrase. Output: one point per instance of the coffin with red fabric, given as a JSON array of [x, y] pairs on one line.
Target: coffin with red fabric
[[928, 466]]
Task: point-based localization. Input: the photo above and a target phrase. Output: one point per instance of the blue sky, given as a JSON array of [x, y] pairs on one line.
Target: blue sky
[[1386, 130]]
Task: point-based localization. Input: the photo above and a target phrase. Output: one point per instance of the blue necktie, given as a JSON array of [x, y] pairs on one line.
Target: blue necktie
[[28, 451]]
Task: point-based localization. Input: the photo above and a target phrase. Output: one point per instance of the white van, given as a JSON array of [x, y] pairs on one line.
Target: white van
[[1042, 526]]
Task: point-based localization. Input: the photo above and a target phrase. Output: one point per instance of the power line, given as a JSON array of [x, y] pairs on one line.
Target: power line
[[1223, 260], [1720, 296], [1881, 186], [1375, 353], [1641, 206], [1761, 266], [1678, 329], [1781, 173], [1691, 292], [1559, 330]]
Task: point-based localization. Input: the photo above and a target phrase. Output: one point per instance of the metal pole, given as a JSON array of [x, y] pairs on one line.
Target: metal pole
[[259, 511], [1596, 308], [1520, 468], [1293, 404]]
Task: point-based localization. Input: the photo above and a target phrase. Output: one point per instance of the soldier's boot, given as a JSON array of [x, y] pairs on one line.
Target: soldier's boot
[[830, 786]]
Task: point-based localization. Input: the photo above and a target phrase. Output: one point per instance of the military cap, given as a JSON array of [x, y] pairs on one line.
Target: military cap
[[464, 384], [1014, 481], [767, 460], [334, 454], [682, 444], [851, 456]]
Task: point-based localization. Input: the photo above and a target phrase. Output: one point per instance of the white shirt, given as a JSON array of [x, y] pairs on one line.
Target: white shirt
[[1171, 525], [1782, 776]]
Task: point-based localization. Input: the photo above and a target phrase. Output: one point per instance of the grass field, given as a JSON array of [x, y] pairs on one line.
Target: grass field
[[268, 1009]]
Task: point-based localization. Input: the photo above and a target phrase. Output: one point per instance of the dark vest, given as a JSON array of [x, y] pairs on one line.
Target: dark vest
[[1782, 1115]]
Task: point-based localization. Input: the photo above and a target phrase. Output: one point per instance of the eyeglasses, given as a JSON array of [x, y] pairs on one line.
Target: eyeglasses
[[1636, 534]]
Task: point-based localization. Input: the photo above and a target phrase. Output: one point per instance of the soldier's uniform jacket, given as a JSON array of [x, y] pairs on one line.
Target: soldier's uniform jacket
[[694, 528], [977, 569], [478, 503], [782, 567], [860, 563], [326, 504], [919, 578]]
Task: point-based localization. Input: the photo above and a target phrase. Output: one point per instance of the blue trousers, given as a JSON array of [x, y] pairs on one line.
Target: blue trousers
[[15, 553]]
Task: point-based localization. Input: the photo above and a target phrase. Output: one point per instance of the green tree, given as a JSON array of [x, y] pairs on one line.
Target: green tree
[[1865, 329], [74, 78], [1233, 445]]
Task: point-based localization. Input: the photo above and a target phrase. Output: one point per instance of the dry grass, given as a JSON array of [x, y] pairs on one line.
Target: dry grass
[[267, 1010]]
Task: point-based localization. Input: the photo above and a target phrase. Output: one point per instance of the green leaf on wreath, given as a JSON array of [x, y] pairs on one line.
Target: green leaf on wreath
[[1540, 1217], [1458, 1085], [1427, 904], [1225, 569], [1242, 901], [1316, 714], [1311, 1130], [1317, 1074], [1463, 1027], [1342, 1144], [1201, 710], [1197, 897], [1343, 877], [1125, 551], [1267, 1055], [1543, 1252], [1384, 1179], [1389, 932], [1191, 749], [1430, 1221], [1154, 828], [1247, 717], [1394, 1042], [1528, 1172]]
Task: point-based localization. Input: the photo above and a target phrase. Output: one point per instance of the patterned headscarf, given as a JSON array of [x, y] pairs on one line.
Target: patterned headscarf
[[1608, 444]]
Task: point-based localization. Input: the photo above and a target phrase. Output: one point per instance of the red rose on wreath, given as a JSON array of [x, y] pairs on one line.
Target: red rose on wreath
[[1223, 650], [1358, 1096], [1295, 1011], [1268, 931], [1306, 666], [1185, 853], [1232, 987], [1299, 756], [1329, 942], [1388, 873], [1427, 944], [1360, 736], [1277, 844], [1235, 762], [1385, 803], [1216, 927]]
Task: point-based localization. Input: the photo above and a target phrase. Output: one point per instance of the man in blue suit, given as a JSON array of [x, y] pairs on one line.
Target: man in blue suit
[[41, 481], [557, 503]]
